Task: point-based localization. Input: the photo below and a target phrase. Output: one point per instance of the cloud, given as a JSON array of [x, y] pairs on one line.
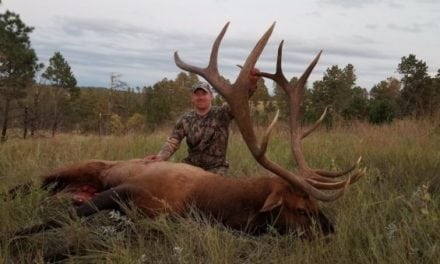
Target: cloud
[[137, 39], [429, 26], [144, 55], [413, 28], [349, 3]]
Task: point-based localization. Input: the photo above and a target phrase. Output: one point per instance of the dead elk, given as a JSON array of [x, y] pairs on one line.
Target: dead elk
[[288, 202], [156, 188]]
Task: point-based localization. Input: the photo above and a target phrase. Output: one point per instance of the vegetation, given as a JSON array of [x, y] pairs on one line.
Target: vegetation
[[57, 104], [64, 91], [18, 63], [390, 216]]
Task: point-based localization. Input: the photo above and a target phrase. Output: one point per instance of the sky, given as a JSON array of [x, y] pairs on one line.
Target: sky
[[136, 39]]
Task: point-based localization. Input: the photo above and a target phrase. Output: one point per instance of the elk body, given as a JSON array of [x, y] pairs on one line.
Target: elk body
[[156, 188], [287, 200]]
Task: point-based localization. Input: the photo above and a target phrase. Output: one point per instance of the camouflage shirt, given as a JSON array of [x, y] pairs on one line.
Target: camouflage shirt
[[206, 137]]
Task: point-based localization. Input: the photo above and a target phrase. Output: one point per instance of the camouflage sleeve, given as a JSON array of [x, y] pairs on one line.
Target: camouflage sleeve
[[172, 143]]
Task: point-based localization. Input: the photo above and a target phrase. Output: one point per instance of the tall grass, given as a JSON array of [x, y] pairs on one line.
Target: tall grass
[[389, 216]]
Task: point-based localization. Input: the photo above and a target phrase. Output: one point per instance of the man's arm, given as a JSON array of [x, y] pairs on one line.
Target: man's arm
[[171, 145]]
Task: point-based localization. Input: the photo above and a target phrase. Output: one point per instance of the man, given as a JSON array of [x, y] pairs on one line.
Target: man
[[206, 129]]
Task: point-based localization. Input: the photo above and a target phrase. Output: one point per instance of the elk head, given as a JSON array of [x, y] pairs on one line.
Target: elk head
[[315, 183]]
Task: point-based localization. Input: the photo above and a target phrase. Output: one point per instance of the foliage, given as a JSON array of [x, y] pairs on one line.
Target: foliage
[[116, 126], [60, 76], [282, 100], [385, 101], [418, 93], [435, 100], [136, 123], [335, 88], [357, 107], [168, 99], [261, 94], [381, 111], [18, 62], [337, 91]]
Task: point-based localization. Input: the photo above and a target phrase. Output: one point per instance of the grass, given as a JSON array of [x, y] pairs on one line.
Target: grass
[[390, 216]]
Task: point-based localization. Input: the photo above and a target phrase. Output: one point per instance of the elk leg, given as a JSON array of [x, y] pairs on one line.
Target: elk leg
[[111, 199]]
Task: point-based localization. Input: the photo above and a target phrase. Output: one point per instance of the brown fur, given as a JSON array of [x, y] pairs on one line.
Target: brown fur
[[248, 204]]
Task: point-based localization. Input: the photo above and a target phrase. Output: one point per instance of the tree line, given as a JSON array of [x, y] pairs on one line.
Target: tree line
[[55, 103]]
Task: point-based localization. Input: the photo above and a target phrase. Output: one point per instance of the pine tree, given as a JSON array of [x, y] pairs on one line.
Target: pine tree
[[18, 62], [60, 76]]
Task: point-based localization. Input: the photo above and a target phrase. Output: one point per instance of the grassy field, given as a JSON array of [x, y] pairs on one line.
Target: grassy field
[[389, 216]]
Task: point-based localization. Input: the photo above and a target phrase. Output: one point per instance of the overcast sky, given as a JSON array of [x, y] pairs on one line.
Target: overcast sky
[[137, 38]]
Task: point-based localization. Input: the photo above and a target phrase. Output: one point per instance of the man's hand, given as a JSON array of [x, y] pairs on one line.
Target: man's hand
[[151, 158], [253, 76]]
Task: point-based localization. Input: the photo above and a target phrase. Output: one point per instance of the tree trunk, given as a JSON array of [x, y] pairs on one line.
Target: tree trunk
[[54, 125], [5, 121], [35, 114], [25, 122], [100, 124], [55, 115]]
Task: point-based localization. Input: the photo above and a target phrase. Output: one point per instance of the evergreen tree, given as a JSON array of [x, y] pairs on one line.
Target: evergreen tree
[[18, 63], [336, 90], [417, 89], [357, 107], [436, 94], [60, 76], [181, 93], [261, 95], [384, 101], [158, 103], [282, 100]]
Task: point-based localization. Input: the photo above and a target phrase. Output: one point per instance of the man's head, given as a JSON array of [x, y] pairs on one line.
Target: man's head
[[201, 97], [201, 86]]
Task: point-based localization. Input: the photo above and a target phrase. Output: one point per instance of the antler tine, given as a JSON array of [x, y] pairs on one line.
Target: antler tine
[[278, 76], [323, 184], [315, 125], [335, 174], [210, 73], [296, 94], [242, 82], [266, 136]]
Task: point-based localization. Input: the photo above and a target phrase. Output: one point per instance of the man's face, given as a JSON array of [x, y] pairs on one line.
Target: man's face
[[201, 99]]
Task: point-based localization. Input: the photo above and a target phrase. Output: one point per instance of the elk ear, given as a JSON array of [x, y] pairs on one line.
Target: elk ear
[[272, 201]]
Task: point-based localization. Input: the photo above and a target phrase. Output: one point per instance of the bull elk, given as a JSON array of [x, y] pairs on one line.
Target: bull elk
[[287, 202]]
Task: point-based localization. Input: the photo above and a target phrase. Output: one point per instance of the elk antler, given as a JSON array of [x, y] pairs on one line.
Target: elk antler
[[318, 178], [236, 95]]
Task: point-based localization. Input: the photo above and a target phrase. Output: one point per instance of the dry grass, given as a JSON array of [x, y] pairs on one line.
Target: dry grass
[[390, 216]]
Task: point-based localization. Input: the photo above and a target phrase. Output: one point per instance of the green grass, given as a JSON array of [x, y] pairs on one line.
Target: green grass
[[389, 216]]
